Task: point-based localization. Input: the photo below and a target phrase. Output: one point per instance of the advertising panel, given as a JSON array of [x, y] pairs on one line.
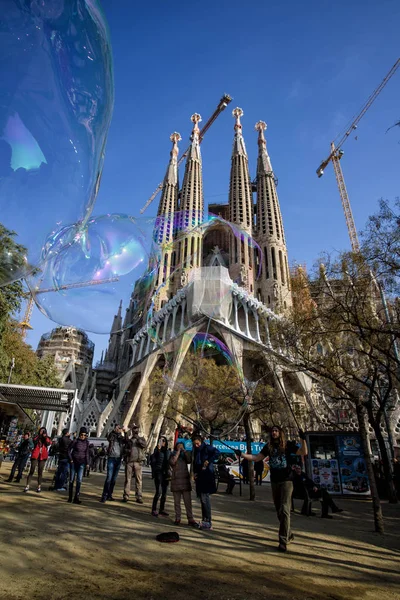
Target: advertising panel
[[353, 470], [232, 461], [326, 474]]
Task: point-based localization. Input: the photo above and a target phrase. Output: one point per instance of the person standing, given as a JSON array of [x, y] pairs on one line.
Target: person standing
[[180, 483], [134, 457], [204, 456], [23, 451], [78, 453], [39, 455], [279, 453], [92, 454], [160, 471], [259, 470], [63, 461], [116, 443]]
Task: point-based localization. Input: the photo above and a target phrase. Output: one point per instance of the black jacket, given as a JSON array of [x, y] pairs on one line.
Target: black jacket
[[160, 462], [25, 447], [302, 480], [63, 445]]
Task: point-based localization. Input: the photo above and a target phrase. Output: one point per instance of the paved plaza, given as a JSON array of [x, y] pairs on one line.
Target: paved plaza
[[54, 551]]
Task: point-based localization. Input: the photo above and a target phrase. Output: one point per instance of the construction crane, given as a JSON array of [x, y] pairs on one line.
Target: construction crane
[[223, 103], [337, 153], [25, 323]]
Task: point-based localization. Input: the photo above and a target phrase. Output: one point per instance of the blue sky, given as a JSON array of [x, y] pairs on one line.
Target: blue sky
[[303, 67]]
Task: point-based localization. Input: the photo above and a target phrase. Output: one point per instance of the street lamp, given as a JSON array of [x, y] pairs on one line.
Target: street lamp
[[11, 369]]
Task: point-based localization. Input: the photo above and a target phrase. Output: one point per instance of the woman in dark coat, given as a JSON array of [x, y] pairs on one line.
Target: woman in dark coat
[[160, 471], [204, 456], [180, 483]]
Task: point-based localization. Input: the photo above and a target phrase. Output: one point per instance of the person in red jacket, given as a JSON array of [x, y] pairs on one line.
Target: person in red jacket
[[39, 456]]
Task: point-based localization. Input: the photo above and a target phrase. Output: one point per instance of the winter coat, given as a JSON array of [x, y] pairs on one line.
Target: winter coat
[[134, 450], [63, 445], [115, 438], [78, 452], [40, 450], [180, 477], [205, 476], [159, 462], [25, 447]]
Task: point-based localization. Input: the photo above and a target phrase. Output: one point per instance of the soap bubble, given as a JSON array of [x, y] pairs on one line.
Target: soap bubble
[[56, 102], [90, 268]]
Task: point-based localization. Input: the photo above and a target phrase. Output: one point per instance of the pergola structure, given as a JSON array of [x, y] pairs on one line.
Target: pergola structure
[[38, 398], [14, 399]]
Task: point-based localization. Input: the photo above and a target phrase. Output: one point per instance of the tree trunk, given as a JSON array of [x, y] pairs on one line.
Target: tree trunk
[[387, 470], [376, 503], [248, 431]]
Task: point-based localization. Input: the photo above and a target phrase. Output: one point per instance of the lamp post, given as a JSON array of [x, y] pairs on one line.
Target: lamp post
[[11, 369]]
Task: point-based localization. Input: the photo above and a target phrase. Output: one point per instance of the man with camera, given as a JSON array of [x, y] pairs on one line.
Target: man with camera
[[134, 457]]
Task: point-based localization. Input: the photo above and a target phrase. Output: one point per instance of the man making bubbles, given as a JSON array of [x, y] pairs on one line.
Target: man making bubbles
[[280, 454]]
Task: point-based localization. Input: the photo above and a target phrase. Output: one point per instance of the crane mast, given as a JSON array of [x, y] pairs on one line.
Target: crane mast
[[223, 103], [336, 154], [351, 226]]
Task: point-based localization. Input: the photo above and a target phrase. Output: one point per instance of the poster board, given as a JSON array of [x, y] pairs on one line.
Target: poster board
[[353, 470]]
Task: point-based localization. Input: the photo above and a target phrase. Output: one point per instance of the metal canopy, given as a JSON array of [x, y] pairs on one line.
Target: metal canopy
[[38, 398]]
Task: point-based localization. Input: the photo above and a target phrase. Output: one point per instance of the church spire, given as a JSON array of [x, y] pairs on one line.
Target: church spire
[[241, 208], [192, 202], [169, 195], [191, 205], [274, 285], [112, 353], [166, 221]]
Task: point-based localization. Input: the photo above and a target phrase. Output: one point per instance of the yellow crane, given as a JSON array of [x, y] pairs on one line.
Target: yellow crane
[[223, 103], [25, 323], [337, 153]]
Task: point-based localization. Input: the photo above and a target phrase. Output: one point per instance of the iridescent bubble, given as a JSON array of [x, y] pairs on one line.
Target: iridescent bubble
[[90, 267], [56, 102]]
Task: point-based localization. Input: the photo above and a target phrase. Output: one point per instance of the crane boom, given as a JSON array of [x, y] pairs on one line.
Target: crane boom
[[25, 323], [353, 125], [223, 103]]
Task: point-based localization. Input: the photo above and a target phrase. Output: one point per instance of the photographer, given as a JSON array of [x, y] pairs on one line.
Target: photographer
[[180, 484], [134, 457], [116, 443], [39, 455], [160, 471]]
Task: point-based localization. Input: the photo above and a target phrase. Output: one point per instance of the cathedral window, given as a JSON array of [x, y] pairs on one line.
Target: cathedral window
[[274, 272]]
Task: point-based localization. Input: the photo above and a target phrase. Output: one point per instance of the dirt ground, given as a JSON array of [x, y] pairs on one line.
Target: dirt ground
[[54, 551]]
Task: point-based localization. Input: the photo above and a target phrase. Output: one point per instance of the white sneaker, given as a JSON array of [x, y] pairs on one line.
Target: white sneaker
[[206, 525], [26, 489]]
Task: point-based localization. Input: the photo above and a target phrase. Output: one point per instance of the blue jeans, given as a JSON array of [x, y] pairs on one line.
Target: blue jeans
[[205, 507], [76, 471], [113, 466], [62, 473]]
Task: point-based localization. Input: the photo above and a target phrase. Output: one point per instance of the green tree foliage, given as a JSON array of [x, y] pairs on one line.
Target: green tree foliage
[[29, 369], [12, 257]]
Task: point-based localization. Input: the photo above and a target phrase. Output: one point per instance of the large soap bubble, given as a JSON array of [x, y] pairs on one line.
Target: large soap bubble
[[56, 101], [91, 267]]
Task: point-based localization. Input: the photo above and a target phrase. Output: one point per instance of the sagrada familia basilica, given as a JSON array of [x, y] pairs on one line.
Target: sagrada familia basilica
[[211, 280]]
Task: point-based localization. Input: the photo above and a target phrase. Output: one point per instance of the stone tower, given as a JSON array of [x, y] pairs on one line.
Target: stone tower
[[273, 287], [188, 246], [165, 224], [241, 210]]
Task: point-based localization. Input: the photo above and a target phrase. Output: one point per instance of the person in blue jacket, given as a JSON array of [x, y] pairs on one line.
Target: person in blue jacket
[[204, 456]]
